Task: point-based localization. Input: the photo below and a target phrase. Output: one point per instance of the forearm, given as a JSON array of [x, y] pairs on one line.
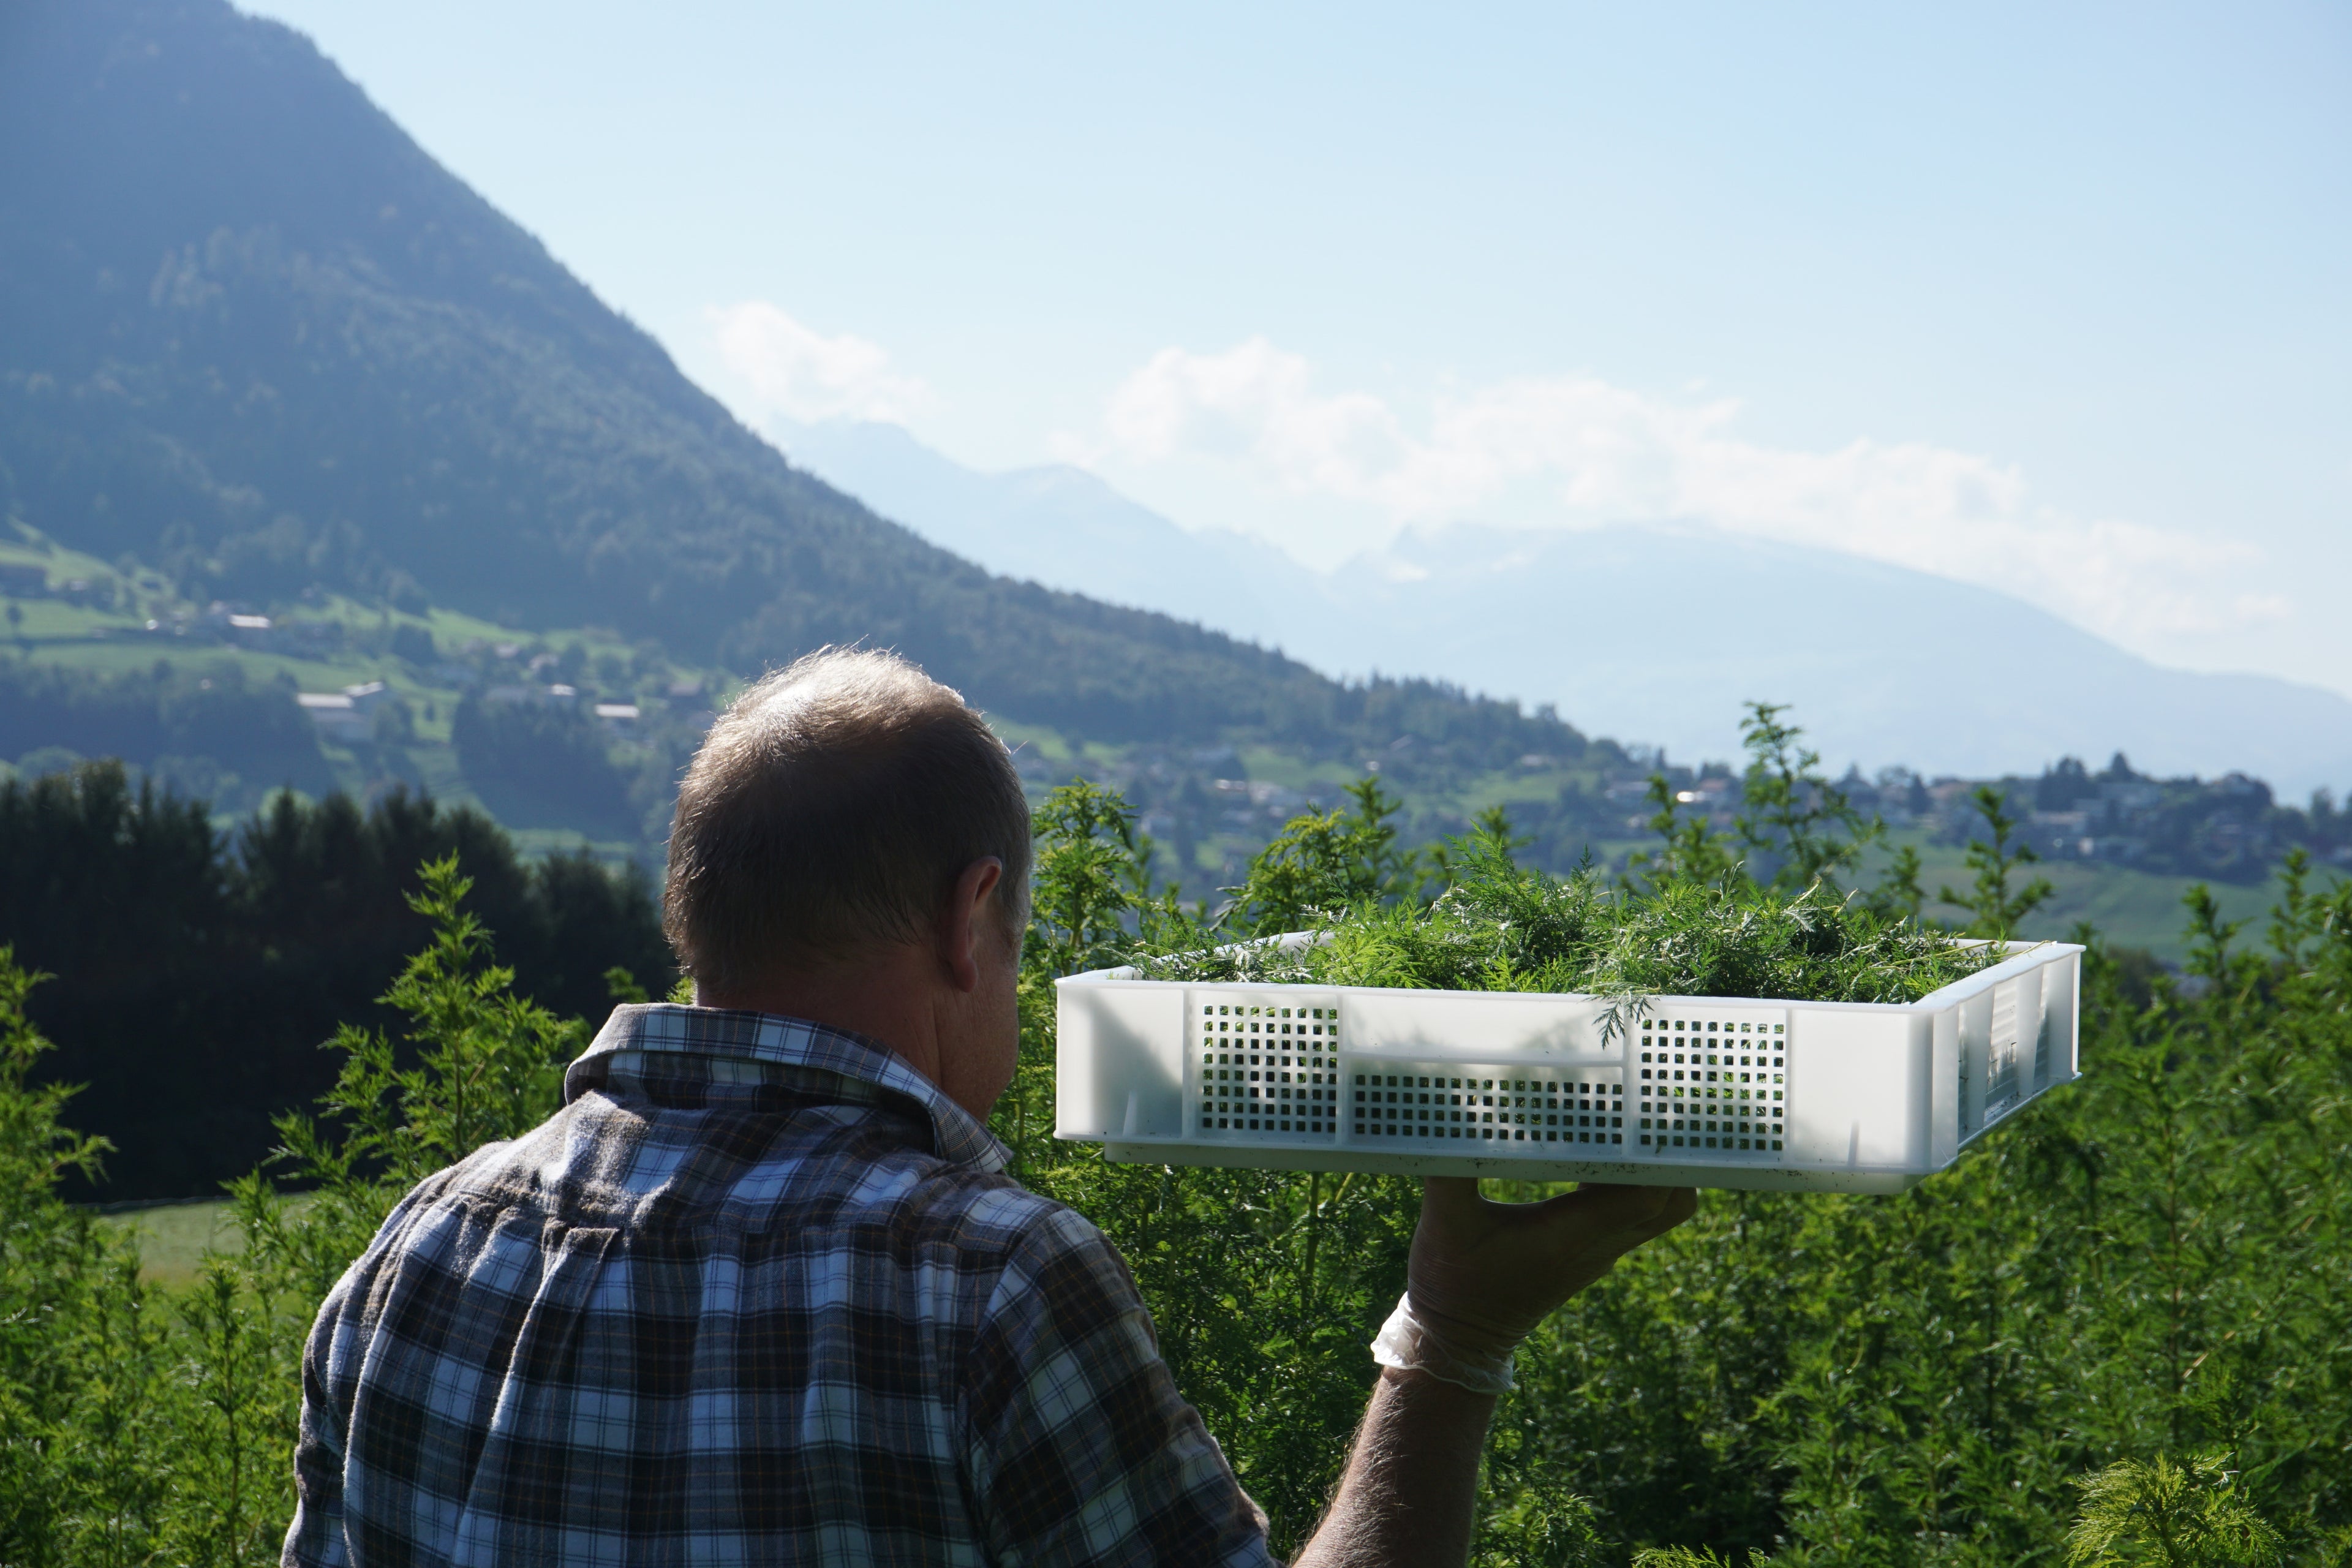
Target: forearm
[[1481, 1276], [1409, 1493]]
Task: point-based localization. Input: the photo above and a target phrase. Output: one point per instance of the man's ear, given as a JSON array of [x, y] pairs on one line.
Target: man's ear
[[971, 908]]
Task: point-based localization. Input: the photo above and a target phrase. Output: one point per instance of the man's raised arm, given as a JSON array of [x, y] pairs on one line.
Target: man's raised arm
[[1483, 1274]]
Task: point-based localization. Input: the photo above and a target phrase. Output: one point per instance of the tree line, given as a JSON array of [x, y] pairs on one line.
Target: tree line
[[198, 973]]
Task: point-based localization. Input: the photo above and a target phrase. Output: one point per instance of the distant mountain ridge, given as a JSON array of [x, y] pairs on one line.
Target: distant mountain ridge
[[1655, 634], [1649, 635], [1055, 525], [251, 334]]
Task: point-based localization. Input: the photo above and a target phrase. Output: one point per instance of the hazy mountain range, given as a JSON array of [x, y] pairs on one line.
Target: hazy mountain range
[[1647, 635]]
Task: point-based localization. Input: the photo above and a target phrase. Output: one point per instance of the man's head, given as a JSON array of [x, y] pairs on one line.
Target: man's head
[[830, 820]]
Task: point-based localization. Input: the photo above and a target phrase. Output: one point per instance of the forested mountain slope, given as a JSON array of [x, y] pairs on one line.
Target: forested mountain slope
[[251, 334]]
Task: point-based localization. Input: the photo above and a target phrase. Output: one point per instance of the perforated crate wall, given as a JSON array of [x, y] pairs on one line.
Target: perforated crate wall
[[1713, 1078], [1488, 1107], [1265, 1062], [1708, 1091]]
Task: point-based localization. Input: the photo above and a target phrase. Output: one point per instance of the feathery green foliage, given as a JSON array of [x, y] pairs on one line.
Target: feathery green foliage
[[477, 1064], [2147, 1262], [2170, 1516], [1997, 909], [138, 1425], [1500, 926], [1792, 818], [1991, 1369], [1328, 861], [1690, 852], [134, 1428]]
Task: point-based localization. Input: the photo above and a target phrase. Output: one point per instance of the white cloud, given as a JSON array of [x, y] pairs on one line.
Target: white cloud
[[1575, 451], [796, 371]]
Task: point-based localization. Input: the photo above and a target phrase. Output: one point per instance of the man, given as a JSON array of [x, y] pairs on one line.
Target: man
[[759, 1293]]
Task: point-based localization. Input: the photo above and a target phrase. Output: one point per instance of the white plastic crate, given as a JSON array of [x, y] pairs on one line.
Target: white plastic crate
[[1707, 1091]]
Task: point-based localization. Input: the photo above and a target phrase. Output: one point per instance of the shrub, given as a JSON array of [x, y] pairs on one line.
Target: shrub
[[1995, 1367], [135, 1424]]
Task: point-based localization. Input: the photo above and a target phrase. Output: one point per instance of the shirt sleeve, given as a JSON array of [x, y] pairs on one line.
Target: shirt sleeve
[[1081, 1449], [315, 1539], [330, 1360]]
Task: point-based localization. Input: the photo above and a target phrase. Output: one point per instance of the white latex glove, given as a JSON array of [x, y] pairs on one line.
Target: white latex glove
[[1483, 1274]]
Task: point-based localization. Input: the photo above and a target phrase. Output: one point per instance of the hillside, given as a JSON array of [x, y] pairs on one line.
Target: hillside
[[253, 337]]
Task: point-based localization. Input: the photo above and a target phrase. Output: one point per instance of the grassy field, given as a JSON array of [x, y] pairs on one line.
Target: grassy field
[[2129, 908], [173, 1237]]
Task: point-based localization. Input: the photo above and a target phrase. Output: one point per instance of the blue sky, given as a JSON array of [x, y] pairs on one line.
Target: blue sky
[[2055, 298]]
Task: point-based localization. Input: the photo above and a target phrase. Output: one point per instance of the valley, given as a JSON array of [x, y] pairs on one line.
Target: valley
[[1209, 807]]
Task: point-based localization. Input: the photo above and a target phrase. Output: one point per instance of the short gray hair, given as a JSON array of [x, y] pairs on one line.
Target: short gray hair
[[831, 808]]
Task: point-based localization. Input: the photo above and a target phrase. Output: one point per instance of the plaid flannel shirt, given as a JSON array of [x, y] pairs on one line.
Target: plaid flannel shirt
[[758, 1294]]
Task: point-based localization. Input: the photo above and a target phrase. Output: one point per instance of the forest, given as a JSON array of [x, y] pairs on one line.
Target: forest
[[2112, 1334], [200, 970]]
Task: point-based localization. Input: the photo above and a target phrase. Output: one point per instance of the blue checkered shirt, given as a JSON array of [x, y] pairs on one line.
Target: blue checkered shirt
[[758, 1294]]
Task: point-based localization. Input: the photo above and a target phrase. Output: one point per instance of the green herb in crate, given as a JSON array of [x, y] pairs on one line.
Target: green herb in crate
[[1500, 926], [1756, 912]]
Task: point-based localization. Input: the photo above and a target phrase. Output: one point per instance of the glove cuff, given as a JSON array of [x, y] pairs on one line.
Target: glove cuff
[[1409, 1344]]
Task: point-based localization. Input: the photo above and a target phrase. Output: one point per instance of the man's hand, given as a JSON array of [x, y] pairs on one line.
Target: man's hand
[[1483, 1274]]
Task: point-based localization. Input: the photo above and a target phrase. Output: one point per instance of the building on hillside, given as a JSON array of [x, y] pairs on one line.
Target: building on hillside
[[239, 624], [2062, 835], [347, 717], [618, 715], [1717, 798], [333, 716], [1276, 802], [515, 696]]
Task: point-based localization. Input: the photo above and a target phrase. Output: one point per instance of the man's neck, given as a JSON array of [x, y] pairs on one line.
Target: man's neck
[[885, 996]]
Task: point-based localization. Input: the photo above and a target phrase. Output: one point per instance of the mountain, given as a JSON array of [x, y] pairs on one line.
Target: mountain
[[1657, 634], [1651, 634], [251, 335], [1054, 524]]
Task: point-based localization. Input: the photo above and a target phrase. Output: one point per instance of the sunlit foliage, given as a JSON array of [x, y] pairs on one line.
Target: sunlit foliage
[[2114, 1332]]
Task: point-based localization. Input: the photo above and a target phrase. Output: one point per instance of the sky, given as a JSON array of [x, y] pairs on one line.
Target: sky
[[2053, 299]]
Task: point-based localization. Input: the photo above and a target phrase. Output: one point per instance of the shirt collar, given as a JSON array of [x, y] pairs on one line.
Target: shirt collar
[[653, 1027]]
